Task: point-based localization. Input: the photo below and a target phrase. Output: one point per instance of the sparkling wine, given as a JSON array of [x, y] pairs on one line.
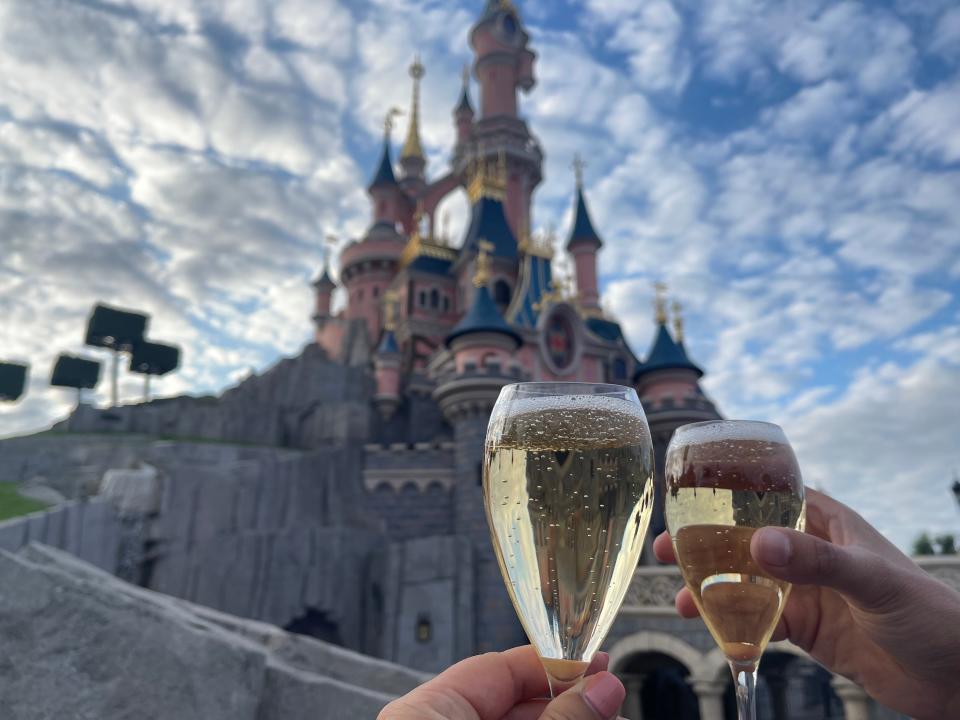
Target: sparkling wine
[[718, 493], [568, 488]]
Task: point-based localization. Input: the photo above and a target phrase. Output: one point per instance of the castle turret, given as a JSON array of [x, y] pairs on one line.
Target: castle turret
[[323, 287], [412, 158], [669, 389], [482, 344], [386, 362], [503, 65], [369, 265], [463, 112], [389, 203], [583, 245]]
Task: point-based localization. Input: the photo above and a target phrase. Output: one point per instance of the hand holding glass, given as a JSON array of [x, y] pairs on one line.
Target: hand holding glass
[[725, 479], [568, 489]]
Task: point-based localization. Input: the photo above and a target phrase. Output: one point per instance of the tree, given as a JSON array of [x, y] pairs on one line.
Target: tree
[[923, 546], [947, 543]]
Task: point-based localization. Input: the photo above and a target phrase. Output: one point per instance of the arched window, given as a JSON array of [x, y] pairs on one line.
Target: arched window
[[434, 298], [422, 298], [501, 294], [376, 291], [446, 303]]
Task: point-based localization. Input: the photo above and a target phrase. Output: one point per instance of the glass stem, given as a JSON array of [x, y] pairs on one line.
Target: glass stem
[[745, 678]]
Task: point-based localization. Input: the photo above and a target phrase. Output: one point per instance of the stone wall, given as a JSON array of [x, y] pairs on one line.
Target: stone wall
[[301, 402], [79, 643], [270, 538], [427, 590], [89, 530]]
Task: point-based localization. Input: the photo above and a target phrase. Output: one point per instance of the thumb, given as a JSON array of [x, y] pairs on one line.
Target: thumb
[[797, 557], [597, 697]]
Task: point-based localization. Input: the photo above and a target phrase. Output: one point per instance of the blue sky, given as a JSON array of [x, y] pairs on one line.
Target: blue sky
[[791, 170]]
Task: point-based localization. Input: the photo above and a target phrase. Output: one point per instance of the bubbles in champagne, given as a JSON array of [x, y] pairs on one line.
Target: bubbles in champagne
[[581, 470]]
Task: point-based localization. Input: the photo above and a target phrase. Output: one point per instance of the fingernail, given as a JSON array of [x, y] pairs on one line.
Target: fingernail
[[774, 547], [604, 693]]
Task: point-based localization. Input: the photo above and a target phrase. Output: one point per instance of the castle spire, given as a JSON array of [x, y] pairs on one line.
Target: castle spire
[[660, 303], [677, 323], [412, 157], [384, 175]]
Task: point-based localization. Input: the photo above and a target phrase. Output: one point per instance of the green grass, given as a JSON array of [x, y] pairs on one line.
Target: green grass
[[12, 505]]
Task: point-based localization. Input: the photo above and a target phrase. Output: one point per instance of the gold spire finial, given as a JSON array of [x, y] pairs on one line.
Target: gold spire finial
[[388, 121], [412, 147], [482, 275], [660, 302], [578, 165], [677, 322], [390, 301]]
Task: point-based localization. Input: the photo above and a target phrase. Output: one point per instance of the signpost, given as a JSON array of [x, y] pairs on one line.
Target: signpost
[[117, 330], [13, 380], [75, 372], [150, 358]]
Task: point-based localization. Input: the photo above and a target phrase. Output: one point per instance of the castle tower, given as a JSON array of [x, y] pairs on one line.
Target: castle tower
[[463, 112], [323, 287], [668, 384], [503, 65], [412, 159], [386, 362], [369, 265], [482, 344], [583, 245]]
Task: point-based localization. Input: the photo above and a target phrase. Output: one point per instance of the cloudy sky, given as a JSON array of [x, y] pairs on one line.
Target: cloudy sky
[[791, 170]]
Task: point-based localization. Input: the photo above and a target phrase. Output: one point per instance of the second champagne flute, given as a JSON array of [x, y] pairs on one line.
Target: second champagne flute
[[725, 479]]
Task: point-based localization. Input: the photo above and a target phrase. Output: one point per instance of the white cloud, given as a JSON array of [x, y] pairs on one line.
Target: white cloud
[[886, 445]]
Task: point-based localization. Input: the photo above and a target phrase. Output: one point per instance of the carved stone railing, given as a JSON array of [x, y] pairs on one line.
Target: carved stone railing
[[653, 587], [652, 590], [945, 568]]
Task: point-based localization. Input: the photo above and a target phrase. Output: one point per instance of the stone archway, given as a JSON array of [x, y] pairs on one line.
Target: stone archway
[[655, 668], [791, 684]]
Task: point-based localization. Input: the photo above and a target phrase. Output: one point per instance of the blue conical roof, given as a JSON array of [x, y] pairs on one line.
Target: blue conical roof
[[483, 316], [464, 106], [583, 230], [488, 222], [324, 279], [384, 174], [667, 354], [388, 343]]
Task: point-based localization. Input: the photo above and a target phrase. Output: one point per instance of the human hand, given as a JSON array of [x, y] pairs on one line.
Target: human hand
[[861, 608], [509, 685]]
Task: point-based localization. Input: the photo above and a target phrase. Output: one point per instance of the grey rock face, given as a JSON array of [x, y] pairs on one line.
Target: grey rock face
[[79, 643]]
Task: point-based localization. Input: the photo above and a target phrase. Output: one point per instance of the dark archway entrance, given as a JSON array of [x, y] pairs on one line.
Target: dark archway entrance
[[315, 624], [790, 688], [657, 688]]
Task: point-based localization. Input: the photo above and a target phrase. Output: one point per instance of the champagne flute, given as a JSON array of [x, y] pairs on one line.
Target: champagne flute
[[568, 490], [725, 479]]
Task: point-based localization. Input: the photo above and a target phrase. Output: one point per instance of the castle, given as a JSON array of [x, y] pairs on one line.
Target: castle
[[338, 494], [451, 323]]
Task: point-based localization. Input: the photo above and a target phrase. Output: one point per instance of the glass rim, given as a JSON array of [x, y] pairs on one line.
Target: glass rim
[[724, 421], [542, 388]]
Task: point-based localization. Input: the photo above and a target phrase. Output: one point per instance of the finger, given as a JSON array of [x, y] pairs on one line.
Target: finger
[[594, 698], [529, 710], [533, 709], [601, 661], [686, 607], [490, 684], [861, 575], [663, 548]]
